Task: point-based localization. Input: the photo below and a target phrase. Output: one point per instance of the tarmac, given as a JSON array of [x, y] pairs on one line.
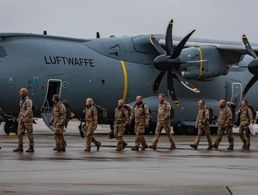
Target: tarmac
[[180, 172]]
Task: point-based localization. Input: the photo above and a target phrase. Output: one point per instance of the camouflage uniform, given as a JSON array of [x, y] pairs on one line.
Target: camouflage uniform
[[91, 118], [121, 120], [202, 124], [58, 119], [163, 122], [26, 113], [246, 118], [225, 125], [141, 116]]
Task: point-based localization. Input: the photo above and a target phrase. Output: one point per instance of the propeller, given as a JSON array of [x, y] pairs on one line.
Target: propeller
[[252, 66], [169, 62]]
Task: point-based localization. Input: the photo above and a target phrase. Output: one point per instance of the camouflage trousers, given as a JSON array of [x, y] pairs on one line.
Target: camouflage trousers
[[206, 132], [59, 137], [89, 131], [167, 128], [244, 135], [139, 132], [220, 134], [22, 129], [119, 130]]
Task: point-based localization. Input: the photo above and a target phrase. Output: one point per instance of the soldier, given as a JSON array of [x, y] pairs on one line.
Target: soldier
[[246, 118], [91, 118], [58, 120], [224, 125], [25, 121], [163, 122], [202, 124], [140, 116], [121, 121]]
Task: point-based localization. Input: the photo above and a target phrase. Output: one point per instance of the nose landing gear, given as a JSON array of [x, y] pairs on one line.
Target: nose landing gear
[[11, 126]]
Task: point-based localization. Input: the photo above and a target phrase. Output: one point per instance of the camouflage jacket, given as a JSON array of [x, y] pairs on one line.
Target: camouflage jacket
[[121, 116], [91, 116], [140, 114], [26, 111], [59, 114], [202, 117], [246, 116], [164, 111], [225, 117]]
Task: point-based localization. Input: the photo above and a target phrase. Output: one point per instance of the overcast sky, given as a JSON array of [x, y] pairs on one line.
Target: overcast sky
[[213, 19]]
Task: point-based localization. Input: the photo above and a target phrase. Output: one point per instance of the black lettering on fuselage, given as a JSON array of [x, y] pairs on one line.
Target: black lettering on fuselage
[[69, 60]]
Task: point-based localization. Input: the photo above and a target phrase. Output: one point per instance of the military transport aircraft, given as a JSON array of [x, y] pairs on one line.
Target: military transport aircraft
[[108, 69]]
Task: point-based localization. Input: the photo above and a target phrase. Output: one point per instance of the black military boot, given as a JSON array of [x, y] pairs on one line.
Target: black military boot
[[30, 150], [87, 150], [55, 148], [124, 145], [209, 148], [19, 149], [153, 147], [215, 146], [144, 147], [172, 147], [243, 147], [230, 148], [98, 146], [63, 149], [247, 148], [58, 149], [194, 146], [135, 148]]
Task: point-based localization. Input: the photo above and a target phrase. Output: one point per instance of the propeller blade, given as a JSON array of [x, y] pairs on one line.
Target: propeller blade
[[157, 82], [171, 90], [169, 39], [186, 83], [181, 45], [249, 85], [156, 45], [248, 46]]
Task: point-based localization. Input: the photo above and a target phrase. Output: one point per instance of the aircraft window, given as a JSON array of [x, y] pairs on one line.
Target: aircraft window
[[3, 52]]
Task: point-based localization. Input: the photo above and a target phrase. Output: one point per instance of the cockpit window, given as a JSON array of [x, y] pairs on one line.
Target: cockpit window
[[3, 52]]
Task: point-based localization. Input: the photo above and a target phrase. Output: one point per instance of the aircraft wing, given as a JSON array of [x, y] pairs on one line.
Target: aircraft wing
[[227, 46]]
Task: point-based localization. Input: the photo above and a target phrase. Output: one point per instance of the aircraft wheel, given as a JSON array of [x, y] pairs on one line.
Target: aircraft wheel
[[189, 130], [10, 126], [178, 129], [151, 129], [214, 130], [129, 129]]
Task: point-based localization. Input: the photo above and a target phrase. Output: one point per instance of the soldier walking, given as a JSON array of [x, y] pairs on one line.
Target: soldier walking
[[140, 116], [91, 119], [25, 121], [58, 120], [246, 118], [163, 122], [202, 124], [121, 121], [224, 125]]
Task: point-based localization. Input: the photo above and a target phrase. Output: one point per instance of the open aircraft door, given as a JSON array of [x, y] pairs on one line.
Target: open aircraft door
[[54, 86], [234, 92]]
